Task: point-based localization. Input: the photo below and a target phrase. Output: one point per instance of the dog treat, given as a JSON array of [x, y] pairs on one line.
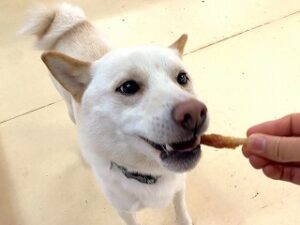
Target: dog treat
[[219, 141]]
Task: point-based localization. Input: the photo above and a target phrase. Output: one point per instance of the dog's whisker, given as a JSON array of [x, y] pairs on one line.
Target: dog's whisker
[[164, 147]]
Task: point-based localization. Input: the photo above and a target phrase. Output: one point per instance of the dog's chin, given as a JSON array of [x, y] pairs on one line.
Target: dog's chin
[[178, 157], [181, 161]]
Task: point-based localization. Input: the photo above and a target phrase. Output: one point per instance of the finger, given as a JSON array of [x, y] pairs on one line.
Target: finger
[[286, 126], [281, 172], [246, 152], [278, 149], [258, 162]]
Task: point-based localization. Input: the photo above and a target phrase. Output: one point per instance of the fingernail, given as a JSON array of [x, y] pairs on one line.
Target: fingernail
[[257, 143]]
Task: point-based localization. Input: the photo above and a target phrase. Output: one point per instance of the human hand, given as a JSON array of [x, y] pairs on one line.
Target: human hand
[[274, 147]]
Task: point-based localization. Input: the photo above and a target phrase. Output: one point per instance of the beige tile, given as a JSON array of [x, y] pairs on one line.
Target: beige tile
[[205, 21], [24, 81]]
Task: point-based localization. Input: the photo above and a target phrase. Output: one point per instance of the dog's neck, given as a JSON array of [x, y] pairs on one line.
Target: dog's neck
[[142, 178]]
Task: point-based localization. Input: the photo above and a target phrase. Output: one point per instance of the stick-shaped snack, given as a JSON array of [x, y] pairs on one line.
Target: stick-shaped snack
[[219, 141]]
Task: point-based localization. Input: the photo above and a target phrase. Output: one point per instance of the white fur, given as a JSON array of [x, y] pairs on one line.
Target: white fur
[[109, 124], [57, 20]]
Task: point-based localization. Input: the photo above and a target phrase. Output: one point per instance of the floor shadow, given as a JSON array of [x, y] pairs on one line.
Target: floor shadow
[[10, 211]]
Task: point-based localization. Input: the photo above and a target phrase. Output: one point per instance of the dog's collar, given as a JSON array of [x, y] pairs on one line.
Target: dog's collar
[[142, 178]]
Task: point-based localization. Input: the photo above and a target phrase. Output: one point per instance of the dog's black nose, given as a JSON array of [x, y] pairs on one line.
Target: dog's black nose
[[190, 115]]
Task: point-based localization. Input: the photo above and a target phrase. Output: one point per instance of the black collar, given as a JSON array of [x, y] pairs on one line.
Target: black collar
[[142, 178]]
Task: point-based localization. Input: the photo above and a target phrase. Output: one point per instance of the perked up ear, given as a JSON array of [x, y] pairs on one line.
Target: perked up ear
[[71, 73], [180, 43]]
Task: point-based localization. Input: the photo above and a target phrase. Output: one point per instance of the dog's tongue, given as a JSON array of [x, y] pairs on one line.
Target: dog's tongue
[[186, 146]]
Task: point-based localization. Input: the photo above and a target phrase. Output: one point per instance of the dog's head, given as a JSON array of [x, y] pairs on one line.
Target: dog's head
[[137, 105]]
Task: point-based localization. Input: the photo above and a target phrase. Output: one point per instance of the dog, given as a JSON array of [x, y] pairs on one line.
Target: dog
[[139, 122]]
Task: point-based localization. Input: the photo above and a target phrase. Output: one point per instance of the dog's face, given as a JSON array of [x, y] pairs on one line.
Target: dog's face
[[138, 103]]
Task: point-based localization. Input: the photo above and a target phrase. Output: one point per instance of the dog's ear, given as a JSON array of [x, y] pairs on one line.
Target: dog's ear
[[72, 74], [180, 43]]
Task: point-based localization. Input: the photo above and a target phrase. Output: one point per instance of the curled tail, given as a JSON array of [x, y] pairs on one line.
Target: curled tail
[[49, 23]]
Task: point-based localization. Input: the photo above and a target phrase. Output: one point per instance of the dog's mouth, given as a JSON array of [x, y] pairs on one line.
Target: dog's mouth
[[180, 156], [183, 146]]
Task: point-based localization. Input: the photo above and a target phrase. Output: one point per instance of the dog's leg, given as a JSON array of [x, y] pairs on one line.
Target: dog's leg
[[182, 215], [128, 217]]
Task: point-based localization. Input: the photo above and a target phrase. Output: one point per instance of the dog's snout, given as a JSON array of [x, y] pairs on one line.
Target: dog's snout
[[190, 115]]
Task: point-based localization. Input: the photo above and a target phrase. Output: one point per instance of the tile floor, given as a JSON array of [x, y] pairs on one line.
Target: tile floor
[[244, 58]]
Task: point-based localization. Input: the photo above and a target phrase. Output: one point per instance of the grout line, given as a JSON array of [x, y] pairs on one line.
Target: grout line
[[240, 33], [33, 110]]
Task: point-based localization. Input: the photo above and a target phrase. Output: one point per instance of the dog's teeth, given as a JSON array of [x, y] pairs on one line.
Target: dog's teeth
[[169, 148]]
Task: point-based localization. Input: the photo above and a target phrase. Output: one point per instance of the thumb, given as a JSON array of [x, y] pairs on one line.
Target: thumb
[[275, 148]]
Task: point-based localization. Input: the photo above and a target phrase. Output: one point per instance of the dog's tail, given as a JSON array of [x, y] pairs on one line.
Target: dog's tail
[[49, 23]]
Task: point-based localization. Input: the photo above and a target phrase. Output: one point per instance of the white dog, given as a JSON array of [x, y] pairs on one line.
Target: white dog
[[138, 120]]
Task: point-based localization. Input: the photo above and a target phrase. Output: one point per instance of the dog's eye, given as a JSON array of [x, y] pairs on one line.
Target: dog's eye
[[182, 78], [129, 88]]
